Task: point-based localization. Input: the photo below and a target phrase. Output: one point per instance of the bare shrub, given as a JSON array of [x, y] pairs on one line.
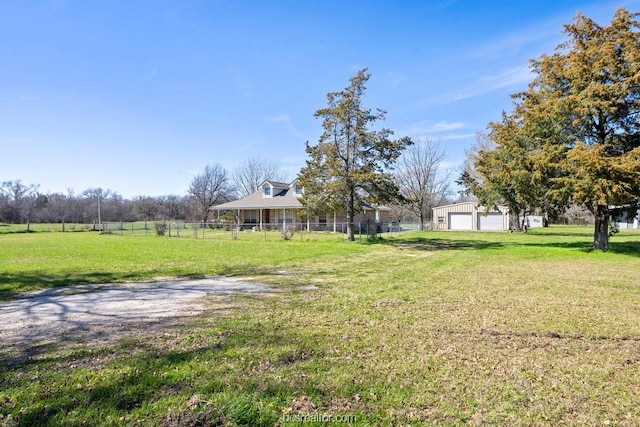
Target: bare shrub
[[287, 233], [161, 228]]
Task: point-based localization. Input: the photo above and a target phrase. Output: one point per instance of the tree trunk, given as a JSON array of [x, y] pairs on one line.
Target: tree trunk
[[350, 214], [601, 231]]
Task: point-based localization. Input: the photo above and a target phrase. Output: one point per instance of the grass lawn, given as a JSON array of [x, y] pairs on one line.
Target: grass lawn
[[442, 328]]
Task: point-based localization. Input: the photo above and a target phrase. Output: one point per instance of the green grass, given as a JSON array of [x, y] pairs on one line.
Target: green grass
[[40, 260], [441, 328]]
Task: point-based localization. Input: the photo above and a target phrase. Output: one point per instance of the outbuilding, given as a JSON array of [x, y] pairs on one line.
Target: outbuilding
[[532, 221], [626, 218], [469, 216]]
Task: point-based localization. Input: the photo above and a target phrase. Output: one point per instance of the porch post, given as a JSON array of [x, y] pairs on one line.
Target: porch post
[[260, 219], [284, 219], [334, 221]]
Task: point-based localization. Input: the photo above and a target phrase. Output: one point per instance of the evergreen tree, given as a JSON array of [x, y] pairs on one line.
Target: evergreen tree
[[575, 132], [351, 163]]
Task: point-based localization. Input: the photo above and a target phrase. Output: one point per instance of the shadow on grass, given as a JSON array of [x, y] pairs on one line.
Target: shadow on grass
[[615, 247], [12, 284], [560, 233], [626, 248], [438, 244], [549, 240], [144, 372]]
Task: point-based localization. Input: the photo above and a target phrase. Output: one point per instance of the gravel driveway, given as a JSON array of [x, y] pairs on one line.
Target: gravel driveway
[[72, 312]]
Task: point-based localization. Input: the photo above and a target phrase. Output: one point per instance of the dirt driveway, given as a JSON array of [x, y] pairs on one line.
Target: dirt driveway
[[78, 312]]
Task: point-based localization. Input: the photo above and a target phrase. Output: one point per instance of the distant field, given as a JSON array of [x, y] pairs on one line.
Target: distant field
[[39, 260], [424, 328]]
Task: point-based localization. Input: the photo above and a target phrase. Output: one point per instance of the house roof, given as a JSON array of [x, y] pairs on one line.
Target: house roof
[[276, 184], [284, 199], [381, 208], [473, 204]]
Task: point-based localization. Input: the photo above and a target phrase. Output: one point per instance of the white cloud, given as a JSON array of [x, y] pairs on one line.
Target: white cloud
[[514, 76], [510, 77], [285, 120], [440, 131], [426, 127], [396, 78], [452, 136], [281, 118], [448, 164]]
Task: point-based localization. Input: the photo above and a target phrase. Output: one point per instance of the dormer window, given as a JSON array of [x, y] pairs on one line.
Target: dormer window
[[266, 190]]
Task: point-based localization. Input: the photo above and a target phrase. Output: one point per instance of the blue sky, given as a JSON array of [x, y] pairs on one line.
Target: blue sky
[[139, 96]]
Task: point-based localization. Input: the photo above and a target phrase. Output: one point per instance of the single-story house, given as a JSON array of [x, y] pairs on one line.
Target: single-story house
[[470, 216], [278, 204]]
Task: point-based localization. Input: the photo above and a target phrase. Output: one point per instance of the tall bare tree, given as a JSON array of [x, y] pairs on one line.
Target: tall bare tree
[[253, 172], [16, 200], [210, 188], [422, 181], [470, 179]]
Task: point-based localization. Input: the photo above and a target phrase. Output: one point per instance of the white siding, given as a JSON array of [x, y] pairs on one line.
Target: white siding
[[465, 216]]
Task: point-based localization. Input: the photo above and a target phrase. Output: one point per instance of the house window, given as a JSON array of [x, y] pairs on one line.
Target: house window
[[251, 216], [288, 217], [322, 218], [297, 190], [266, 190]]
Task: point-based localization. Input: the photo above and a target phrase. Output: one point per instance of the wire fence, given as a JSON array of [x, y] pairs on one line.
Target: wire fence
[[234, 231], [222, 230]]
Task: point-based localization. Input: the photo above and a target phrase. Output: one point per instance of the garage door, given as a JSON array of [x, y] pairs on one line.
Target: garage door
[[492, 221], [460, 221]]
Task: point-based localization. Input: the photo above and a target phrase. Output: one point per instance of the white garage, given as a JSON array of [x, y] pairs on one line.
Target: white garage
[[460, 221], [490, 221], [470, 216]]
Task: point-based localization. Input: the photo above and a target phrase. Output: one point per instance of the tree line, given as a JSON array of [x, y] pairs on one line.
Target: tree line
[[419, 177], [24, 203]]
